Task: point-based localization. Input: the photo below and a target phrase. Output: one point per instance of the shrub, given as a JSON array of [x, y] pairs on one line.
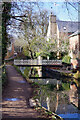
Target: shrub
[[4, 76], [77, 75], [65, 86], [66, 59]]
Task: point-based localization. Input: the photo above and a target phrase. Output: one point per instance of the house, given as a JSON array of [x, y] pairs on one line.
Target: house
[[10, 51], [58, 29], [74, 40], [64, 31]]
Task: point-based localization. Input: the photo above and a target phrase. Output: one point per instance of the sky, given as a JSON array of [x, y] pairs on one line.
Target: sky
[[60, 10], [44, 0]]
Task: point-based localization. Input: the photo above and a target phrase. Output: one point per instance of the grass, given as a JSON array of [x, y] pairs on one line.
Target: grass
[[50, 87], [4, 76], [18, 70]]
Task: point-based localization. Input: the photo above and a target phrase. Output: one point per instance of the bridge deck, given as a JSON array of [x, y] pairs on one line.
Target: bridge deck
[[38, 62]]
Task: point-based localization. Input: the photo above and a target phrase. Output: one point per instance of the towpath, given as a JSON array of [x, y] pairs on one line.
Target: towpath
[[15, 98]]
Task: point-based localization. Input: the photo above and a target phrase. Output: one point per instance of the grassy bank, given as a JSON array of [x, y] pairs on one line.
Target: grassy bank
[[4, 76]]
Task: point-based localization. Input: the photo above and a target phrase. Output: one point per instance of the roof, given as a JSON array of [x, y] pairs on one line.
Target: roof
[[68, 26], [75, 33]]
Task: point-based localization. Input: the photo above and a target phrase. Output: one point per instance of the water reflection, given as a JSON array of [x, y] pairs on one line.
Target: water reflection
[[58, 94], [53, 99], [59, 101], [12, 99], [22, 81], [74, 116], [31, 71], [73, 94]]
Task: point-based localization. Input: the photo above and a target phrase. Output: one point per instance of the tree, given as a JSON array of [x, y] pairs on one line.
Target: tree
[[5, 22], [30, 23], [33, 32]]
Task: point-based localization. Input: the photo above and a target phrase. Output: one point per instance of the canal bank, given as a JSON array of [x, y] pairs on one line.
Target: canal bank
[[54, 100], [15, 98], [36, 87]]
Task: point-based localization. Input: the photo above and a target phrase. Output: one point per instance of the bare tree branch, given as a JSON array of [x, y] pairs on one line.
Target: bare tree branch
[[73, 6]]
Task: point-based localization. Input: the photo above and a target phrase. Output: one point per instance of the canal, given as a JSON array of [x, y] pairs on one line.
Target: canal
[[56, 93]]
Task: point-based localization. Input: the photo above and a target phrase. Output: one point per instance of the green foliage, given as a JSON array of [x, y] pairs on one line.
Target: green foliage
[[26, 72], [54, 118], [25, 51], [17, 69], [5, 19], [34, 72], [50, 87], [77, 75], [36, 75], [53, 55], [63, 54], [65, 86], [35, 83], [66, 59], [38, 54], [4, 76]]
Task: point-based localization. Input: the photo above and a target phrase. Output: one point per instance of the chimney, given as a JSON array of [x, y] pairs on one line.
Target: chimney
[[52, 18], [53, 25]]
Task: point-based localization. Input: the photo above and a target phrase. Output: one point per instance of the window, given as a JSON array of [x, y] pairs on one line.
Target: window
[[64, 28]]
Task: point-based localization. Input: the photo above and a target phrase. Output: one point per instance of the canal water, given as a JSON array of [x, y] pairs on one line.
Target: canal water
[[57, 94]]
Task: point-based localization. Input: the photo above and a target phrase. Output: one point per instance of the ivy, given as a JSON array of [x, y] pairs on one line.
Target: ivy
[[5, 20]]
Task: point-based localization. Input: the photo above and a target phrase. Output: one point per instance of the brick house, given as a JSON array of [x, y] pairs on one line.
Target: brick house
[[64, 30], [60, 29], [74, 40], [10, 51]]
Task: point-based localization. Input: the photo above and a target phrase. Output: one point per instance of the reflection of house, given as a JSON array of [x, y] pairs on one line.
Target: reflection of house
[[73, 97], [10, 51]]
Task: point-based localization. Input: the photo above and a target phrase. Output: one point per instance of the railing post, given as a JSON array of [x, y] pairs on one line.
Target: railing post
[[14, 61], [21, 62], [39, 60]]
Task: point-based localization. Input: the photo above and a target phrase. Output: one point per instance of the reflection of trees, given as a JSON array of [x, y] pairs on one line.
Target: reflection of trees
[[53, 99], [73, 96], [55, 102], [79, 99], [40, 71], [59, 101], [35, 72], [48, 103], [57, 96], [52, 107]]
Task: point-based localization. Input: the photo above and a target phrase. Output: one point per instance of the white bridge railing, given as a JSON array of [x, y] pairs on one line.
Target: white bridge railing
[[37, 62]]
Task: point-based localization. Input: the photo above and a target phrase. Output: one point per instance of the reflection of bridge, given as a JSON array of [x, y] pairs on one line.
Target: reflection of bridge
[[37, 62]]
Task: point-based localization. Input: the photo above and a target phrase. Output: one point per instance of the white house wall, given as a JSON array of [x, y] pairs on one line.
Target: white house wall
[[74, 46]]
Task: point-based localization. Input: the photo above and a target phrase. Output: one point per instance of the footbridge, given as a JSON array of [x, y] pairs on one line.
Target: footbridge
[[35, 62]]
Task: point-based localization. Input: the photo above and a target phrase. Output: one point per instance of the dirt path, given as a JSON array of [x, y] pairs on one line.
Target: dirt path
[[19, 89]]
